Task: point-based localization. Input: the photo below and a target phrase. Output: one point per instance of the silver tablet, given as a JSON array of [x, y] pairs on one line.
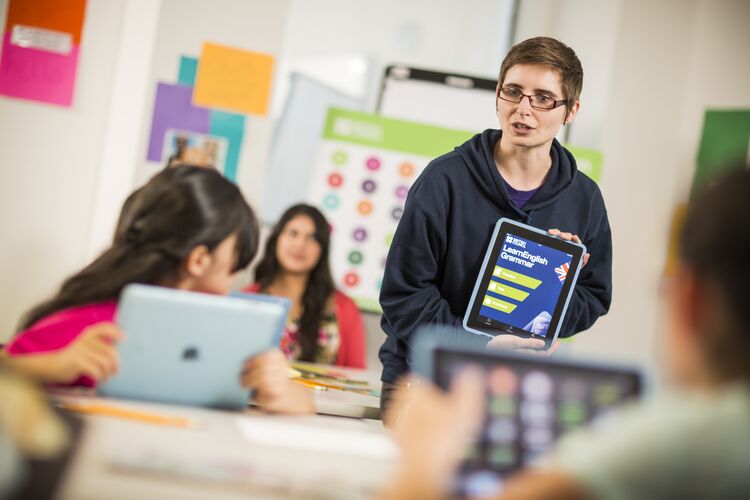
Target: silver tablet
[[187, 347]]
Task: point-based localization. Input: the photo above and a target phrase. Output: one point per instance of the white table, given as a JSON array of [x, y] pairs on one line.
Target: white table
[[226, 455]]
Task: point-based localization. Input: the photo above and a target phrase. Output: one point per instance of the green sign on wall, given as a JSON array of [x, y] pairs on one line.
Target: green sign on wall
[[725, 144]]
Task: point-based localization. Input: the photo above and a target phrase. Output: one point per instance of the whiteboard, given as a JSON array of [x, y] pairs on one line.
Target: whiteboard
[[295, 142], [437, 98]]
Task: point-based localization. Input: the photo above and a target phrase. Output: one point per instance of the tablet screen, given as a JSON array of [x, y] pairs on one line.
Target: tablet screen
[[530, 403], [524, 287]]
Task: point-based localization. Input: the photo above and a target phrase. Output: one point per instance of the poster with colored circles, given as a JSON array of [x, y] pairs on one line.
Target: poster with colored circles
[[363, 171]]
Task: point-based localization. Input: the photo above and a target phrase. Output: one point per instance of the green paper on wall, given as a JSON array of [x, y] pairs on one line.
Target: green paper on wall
[[725, 144], [589, 161]]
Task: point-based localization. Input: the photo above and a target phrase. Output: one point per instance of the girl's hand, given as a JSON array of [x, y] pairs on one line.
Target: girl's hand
[[268, 375], [91, 354]]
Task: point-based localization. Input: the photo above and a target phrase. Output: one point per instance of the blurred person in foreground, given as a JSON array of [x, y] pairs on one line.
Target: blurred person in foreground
[[30, 432], [693, 441]]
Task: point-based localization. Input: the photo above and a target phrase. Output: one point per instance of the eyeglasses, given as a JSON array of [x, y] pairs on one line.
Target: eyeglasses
[[538, 101]]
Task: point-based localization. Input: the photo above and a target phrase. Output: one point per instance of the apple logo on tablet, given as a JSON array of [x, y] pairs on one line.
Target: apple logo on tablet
[[190, 354]]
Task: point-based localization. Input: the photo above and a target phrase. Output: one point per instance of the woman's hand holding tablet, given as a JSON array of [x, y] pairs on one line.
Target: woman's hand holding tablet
[[524, 286], [570, 237]]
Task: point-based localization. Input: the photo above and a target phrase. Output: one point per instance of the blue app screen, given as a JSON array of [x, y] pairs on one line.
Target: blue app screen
[[526, 282]]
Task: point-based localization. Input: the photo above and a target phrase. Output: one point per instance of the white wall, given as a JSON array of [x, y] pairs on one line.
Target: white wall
[[668, 61], [590, 28], [466, 37], [717, 76], [48, 172], [246, 24], [52, 156], [652, 68]]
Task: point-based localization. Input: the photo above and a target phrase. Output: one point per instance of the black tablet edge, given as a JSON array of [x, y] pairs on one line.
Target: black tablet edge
[[504, 227]]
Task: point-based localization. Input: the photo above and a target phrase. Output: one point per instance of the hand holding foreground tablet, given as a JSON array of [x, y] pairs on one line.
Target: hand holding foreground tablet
[[434, 430]]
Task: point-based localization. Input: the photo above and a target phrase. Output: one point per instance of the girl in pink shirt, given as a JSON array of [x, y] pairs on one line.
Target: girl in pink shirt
[[187, 228]]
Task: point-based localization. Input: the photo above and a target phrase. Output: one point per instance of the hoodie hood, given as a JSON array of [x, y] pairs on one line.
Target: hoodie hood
[[478, 155]]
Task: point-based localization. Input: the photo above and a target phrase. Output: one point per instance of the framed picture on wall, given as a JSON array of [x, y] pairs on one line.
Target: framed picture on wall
[[184, 146]]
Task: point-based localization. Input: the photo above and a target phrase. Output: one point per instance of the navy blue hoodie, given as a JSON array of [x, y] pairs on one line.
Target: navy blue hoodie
[[447, 223]]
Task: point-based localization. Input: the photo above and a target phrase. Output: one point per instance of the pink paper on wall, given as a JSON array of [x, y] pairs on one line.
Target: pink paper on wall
[[36, 74]]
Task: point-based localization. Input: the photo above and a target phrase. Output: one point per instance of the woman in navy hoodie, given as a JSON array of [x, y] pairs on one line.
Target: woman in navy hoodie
[[521, 172]]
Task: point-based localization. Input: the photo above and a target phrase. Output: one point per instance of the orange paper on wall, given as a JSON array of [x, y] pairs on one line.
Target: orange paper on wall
[[55, 15], [233, 79]]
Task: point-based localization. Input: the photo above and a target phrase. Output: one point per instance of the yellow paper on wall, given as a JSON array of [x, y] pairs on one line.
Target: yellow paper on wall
[[233, 79]]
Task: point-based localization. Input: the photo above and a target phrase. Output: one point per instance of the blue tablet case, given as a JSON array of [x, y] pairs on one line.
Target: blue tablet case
[[188, 348], [550, 336]]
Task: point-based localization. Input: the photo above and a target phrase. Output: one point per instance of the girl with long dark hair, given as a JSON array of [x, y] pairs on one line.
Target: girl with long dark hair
[[187, 228], [325, 325]]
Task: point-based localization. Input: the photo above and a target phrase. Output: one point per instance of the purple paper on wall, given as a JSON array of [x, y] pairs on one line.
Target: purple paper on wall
[[173, 109]]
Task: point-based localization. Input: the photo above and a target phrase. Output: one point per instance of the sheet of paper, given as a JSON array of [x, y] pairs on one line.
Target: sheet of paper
[[37, 75], [277, 432], [188, 68], [589, 161], [53, 15], [233, 79], [230, 126], [173, 109]]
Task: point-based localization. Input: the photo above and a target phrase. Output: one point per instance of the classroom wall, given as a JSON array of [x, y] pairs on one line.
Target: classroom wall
[[247, 24], [669, 61], [48, 172], [437, 34], [469, 37], [651, 70]]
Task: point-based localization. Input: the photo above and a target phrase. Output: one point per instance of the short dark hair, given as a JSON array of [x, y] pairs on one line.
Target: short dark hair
[[548, 52], [715, 245]]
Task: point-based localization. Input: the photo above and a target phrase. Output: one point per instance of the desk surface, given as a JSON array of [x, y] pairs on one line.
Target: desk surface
[[225, 455], [345, 403]]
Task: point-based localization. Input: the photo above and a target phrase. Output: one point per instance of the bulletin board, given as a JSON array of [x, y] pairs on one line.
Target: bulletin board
[[364, 168], [449, 100]]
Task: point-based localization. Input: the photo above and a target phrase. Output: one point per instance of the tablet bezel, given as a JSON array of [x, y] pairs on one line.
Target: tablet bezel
[[505, 226], [161, 323], [433, 343], [485, 358]]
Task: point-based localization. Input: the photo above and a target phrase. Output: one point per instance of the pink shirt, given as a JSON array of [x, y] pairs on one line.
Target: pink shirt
[[59, 329]]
